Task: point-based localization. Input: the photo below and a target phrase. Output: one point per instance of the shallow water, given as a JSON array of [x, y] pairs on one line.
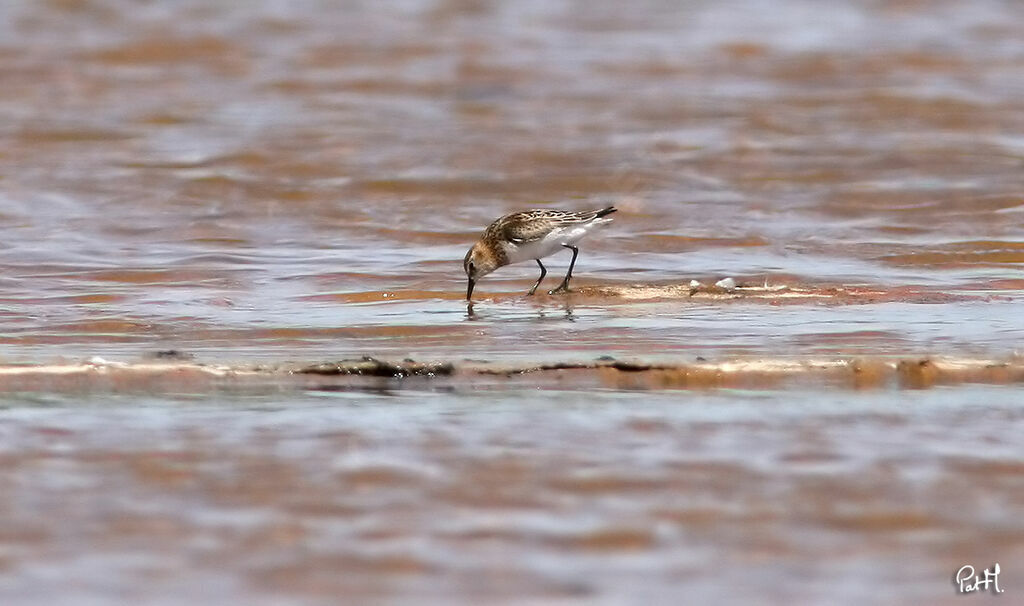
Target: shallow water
[[460, 496], [298, 181]]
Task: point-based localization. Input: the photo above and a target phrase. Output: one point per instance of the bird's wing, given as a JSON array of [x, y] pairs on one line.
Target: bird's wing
[[526, 226], [532, 225]]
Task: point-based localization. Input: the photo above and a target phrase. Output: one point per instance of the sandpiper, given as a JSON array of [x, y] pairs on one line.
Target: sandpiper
[[530, 234]]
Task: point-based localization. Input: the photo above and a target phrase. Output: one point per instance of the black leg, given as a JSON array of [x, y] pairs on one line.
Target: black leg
[[543, 272], [564, 286]]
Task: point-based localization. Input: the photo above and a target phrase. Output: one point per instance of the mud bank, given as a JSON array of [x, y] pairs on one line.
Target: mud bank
[[605, 372], [776, 293]]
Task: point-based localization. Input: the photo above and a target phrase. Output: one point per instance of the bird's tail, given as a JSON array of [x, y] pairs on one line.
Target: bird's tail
[[605, 211]]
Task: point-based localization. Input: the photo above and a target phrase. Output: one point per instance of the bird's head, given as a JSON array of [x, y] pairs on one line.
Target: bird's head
[[478, 263]]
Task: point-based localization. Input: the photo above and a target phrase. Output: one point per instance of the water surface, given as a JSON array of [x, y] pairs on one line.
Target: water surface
[[298, 181], [303, 179], [560, 496]]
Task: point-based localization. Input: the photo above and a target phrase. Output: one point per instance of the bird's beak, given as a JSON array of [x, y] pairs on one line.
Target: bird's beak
[[469, 290]]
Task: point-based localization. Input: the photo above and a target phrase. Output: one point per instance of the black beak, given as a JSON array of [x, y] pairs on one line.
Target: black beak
[[469, 290]]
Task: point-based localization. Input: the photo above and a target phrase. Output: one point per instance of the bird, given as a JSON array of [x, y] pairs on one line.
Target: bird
[[531, 234]]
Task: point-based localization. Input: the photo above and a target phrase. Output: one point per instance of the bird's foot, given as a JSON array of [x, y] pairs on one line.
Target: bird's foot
[[560, 289]]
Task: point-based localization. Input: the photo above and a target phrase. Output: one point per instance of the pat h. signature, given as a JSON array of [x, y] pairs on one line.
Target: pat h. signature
[[967, 581]]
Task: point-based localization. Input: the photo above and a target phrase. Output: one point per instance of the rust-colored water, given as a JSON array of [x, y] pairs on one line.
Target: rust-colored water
[[303, 180], [496, 496], [299, 181]]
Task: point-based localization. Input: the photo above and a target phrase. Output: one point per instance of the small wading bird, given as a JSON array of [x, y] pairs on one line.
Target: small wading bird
[[530, 234]]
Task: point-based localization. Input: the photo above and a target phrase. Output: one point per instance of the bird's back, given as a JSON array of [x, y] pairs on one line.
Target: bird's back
[[537, 233], [535, 224]]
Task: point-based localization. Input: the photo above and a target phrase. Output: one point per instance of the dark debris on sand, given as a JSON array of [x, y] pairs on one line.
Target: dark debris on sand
[[372, 367]]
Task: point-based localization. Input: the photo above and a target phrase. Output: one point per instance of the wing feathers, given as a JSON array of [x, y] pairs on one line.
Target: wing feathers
[[530, 225]]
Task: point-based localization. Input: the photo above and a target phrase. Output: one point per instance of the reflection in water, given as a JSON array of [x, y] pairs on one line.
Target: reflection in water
[[567, 310], [497, 314]]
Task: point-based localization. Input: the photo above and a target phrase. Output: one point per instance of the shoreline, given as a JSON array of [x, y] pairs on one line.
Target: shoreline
[[770, 373]]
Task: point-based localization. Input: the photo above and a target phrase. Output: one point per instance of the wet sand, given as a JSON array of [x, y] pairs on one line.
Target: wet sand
[[213, 214]]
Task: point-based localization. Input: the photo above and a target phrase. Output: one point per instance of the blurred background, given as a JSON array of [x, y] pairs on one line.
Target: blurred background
[[278, 180]]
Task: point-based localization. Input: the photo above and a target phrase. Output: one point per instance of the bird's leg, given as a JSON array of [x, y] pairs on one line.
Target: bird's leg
[[564, 286], [543, 272]]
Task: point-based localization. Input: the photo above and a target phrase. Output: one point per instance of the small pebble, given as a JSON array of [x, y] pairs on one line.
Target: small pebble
[[726, 284]]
